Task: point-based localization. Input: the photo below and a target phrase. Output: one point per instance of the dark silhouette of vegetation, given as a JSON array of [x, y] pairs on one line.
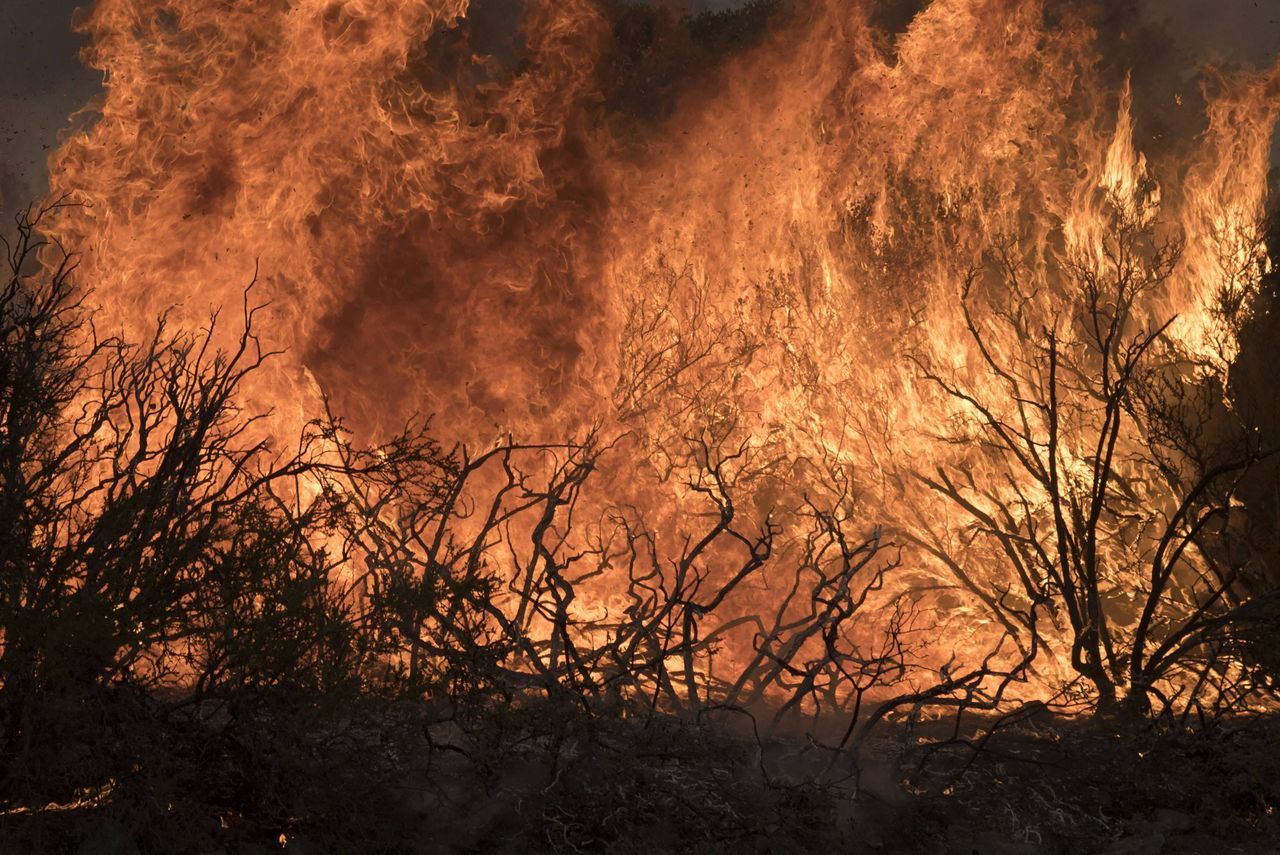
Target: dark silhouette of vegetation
[[171, 638], [1110, 478], [216, 639], [213, 639]]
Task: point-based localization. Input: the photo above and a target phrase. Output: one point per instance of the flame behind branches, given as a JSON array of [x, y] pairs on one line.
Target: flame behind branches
[[779, 260]]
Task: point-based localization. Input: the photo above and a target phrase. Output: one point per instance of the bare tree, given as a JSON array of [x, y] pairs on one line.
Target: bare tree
[[1105, 483]]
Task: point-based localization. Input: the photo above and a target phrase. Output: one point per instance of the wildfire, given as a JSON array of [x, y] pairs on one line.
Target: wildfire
[[815, 254]]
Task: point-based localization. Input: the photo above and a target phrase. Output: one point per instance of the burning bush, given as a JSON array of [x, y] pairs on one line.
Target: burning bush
[[202, 631], [797, 371], [199, 628], [1110, 475], [172, 638]]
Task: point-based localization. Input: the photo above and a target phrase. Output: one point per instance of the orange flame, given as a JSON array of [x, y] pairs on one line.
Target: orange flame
[[443, 231]]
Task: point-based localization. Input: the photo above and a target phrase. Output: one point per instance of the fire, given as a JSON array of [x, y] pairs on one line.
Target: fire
[[783, 261], [346, 150]]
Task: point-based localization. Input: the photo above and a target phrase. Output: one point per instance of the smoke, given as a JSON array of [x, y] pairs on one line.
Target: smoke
[[43, 84], [13, 193], [1243, 32]]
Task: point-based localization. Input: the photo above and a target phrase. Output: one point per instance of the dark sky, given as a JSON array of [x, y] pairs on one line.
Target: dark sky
[[42, 83]]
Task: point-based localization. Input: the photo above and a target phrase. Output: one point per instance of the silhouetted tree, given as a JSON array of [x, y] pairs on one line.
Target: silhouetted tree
[[1108, 473]]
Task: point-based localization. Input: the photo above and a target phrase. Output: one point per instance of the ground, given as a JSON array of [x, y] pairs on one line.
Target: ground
[[1045, 785]]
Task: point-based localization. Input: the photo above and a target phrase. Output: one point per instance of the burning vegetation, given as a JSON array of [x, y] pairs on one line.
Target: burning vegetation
[[432, 425]]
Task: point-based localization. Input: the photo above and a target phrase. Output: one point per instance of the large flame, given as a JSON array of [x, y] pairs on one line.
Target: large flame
[[486, 238]]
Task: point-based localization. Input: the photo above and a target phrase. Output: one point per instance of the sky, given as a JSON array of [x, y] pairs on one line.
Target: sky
[[42, 82]]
